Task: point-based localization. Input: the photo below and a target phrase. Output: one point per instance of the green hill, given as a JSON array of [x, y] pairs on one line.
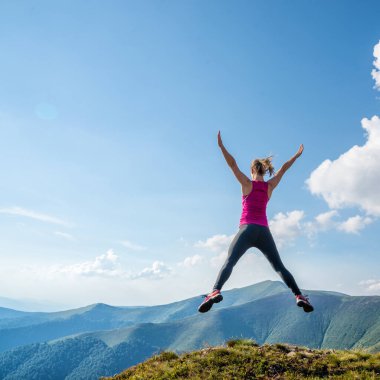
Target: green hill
[[244, 359]]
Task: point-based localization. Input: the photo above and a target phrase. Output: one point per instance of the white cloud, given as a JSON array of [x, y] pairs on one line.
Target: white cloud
[[286, 227], [215, 243], [371, 285], [218, 243], [354, 224], [103, 265], [376, 72], [158, 270], [352, 179], [326, 222], [19, 211], [218, 261], [134, 247], [108, 265], [322, 222], [191, 261]]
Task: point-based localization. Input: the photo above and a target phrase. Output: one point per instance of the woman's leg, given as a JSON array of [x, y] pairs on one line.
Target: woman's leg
[[268, 247], [241, 243]]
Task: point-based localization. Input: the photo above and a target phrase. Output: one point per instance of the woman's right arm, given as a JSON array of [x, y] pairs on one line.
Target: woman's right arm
[[241, 177], [273, 182]]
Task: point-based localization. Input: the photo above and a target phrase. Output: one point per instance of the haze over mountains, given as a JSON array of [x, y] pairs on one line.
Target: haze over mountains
[[30, 305], [100, 340]]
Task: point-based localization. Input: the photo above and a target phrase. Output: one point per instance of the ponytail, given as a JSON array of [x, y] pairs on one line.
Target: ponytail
[[262, 166]]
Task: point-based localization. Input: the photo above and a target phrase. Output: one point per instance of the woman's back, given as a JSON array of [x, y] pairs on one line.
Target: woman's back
[[254, 205]]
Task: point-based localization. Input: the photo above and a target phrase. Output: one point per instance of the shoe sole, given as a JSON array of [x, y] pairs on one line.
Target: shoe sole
[[307, 308], [206, 306]]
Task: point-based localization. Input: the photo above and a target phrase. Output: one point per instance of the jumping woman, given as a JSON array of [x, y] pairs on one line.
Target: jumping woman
[[254, 229]]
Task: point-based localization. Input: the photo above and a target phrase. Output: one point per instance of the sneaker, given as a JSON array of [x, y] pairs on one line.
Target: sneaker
[[303, 301], [209, 300]]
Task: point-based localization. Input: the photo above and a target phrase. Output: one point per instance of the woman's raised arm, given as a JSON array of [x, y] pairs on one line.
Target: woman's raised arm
[[241, 177]]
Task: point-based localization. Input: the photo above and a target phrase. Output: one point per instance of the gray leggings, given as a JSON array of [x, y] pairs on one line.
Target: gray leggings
[[255, 235]]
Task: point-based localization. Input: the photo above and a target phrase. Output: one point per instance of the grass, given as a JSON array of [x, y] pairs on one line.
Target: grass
[[244, 359]]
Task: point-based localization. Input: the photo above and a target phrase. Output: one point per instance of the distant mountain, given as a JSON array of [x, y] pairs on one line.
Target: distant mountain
[[28, 305], [25, 327], [101, 340], [6, 313]]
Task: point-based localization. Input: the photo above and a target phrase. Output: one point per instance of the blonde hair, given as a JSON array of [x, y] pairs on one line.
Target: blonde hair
[[262, 165]]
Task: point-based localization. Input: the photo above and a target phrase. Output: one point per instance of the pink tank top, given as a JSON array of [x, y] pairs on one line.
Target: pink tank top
[[255, 205]]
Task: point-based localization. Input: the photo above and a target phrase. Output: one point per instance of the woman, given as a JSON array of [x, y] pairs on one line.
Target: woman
[[254, 230]]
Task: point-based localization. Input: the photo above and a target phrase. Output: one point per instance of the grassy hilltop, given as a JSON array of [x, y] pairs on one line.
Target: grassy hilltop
[[244, 359]]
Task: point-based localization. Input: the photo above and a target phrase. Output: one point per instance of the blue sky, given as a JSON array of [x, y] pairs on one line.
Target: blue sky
[[113, 188]]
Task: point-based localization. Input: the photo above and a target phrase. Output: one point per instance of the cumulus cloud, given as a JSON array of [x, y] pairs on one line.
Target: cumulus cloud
[[218, 260], [19, 211], [322, 222], [371, 285], [325, 219], [352, 179], [134, 247], [108, 265], [191, 261], [327, 222], [286, 227], [158, 270], [354, 224], [376, 72], [215, 243], [103, 265], [218, 244]]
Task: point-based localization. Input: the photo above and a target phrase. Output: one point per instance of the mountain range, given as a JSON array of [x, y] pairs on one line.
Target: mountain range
[[101, 340]]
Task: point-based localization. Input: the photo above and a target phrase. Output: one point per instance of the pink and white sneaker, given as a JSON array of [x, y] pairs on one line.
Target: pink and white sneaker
[[303, 301], [209, 300]]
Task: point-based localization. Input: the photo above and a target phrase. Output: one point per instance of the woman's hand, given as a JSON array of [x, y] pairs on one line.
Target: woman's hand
[[300, 150], [220, 142]]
